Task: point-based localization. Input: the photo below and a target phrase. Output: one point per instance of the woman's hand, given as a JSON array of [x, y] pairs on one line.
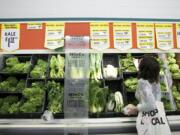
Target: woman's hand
[[132, 110]]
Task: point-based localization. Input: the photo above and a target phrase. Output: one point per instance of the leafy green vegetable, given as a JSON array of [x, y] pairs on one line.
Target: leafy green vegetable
[[176, 95], [9, 104], [127, 64], [131, 84], [14, 66], [34, 97], [11, 84], [173, 67], [11, 61], [39, 70], [163, 86], [95, 71], [55, 96], [167, 104], [57, 66], [98, 96]]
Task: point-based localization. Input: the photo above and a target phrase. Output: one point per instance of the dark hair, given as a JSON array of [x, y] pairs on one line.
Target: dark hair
[[149, 69]]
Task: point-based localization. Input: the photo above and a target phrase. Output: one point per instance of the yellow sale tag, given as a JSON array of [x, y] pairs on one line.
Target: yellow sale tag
[[99, 33], [10, 36], [54, 37], [164, 36], [178, 35], [122, 32], [145, 36]]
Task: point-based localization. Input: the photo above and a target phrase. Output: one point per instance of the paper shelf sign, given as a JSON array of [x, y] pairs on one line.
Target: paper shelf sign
[[33, 26], [145, 36], [54, 35], [164, 36], [122, 32], [178, 34], [10, 36], [99, 34]]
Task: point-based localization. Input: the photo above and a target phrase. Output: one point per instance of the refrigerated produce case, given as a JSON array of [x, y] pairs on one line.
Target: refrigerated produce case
[[105, 122]]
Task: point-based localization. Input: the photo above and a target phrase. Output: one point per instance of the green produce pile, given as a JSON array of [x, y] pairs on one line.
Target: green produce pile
[[95, 66], [163, 86], [115, 102], [161, 63], [11, 84], [39, 70], [55, 96], [176, 95], [13, 65], [131, 84], [127, 64], [173, 67], [167, 104], [97, 97], [9, 104], [57, 67], [34, 98]]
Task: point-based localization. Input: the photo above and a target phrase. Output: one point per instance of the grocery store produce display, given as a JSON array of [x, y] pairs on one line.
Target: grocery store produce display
[[40, 87]]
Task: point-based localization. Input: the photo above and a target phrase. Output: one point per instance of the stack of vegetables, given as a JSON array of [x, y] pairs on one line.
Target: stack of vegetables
[[34, 96], [57, 66], [11, 84], [115, 102], [127, 64], [173, 67], [167, 104], [9, 104], [13, 65], [176, 95], [97, 97], [163, 86], [39, 71], [131, 84], [95, 66], [161, 63], [55, 96]]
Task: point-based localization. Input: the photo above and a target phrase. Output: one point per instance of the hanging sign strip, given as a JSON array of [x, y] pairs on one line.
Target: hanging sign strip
[[164, 36], [145, 36], [178, 34], [10, 36], [54, 35], [32, 26], [99, 33], [122, 32]]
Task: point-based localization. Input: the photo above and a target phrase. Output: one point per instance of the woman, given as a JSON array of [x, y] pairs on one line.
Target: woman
[[148, 89]]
